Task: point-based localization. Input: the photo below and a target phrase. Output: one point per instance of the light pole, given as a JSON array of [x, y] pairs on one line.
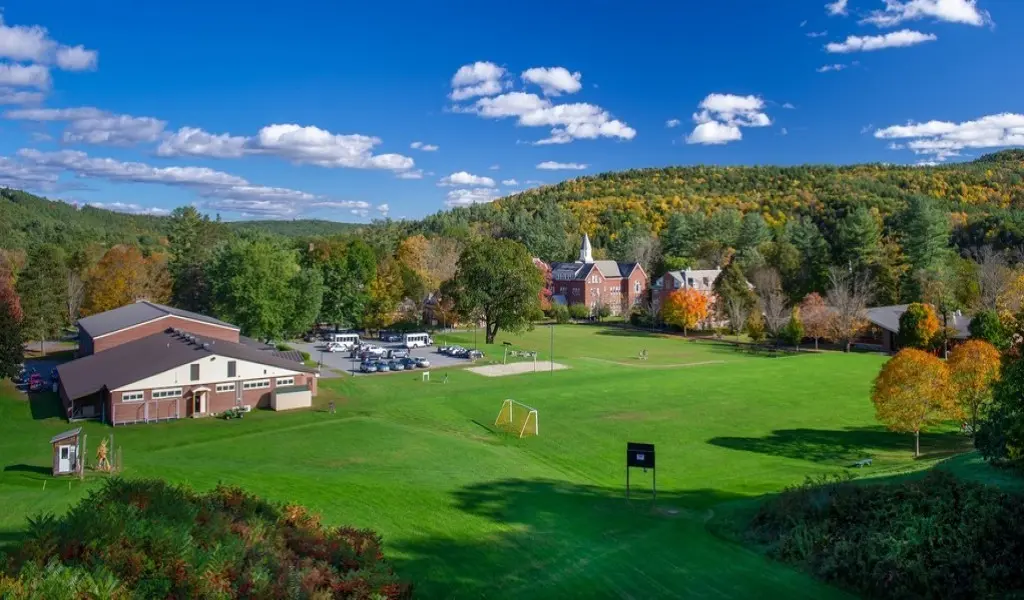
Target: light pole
[[551, 353]]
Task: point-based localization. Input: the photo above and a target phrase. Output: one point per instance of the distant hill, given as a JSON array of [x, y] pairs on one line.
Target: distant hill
[[26, 219], [986, 193], [296, 228]]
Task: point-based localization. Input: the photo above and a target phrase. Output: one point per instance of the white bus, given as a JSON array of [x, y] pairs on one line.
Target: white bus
[[346, 341], [417, 340]]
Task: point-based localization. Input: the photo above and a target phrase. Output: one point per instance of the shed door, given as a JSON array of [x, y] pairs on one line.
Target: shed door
[[64, 460]]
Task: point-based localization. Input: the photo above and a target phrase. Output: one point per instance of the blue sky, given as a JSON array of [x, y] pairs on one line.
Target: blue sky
[[311, 109]]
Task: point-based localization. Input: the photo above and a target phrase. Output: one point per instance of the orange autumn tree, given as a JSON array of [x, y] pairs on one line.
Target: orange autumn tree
[[119, 278], [912, 393], [685, 308], [974, 367], [817, 317]]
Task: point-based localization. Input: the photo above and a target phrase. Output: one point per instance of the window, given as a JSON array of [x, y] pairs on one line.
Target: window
[[225, 387], [133, 396], [257, 384], [169, 393], [705, 282], [575, 291], [636, 287], [64, 452], [285, 381], [194, 375], [691, 281], [232, 368]]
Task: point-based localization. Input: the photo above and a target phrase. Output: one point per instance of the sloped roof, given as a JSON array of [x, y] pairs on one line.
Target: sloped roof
[[138, 313], [65, 435], [609, 268], [144, 357], [888, 318]]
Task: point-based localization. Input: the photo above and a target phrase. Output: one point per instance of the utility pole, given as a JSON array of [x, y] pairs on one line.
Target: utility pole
[[551, 354]]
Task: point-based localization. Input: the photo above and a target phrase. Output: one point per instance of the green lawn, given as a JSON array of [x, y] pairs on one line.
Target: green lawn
[[466, 512]]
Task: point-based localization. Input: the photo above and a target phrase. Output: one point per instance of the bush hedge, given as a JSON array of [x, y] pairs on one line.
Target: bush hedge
[[933, 537], [148, 539]]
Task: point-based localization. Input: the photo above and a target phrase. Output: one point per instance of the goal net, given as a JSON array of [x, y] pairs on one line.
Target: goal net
[[517, 418]]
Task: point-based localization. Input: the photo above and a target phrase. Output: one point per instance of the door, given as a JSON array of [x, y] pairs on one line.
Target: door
[[64, 460], [199, 402]]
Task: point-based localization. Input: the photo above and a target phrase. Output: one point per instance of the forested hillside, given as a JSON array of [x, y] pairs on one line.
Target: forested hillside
[[296, 228]]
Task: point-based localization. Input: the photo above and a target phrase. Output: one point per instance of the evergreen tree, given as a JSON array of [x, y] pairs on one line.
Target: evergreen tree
[[926, 242], [191, 240], [859, 240], [815, 258], [42, 287]]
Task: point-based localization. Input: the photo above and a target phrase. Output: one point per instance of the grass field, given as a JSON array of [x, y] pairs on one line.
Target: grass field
[[467, 512]]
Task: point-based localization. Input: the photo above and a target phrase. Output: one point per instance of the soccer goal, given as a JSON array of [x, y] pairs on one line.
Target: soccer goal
[[517, 418]]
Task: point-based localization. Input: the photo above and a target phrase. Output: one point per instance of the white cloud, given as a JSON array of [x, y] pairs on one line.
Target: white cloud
[[33, 44], [132, 209], [94, 126], [383, 208], [76, 58], [360, 212], [463, 178], [423, 147], [551, 165], [192, 141], [36, 76], [26, 175], [494, 167], [299, 144], [837, 8], [509, 182], [788, 106], [827, 68], [13, 96], [221, 191], [468, 197], [784, 131], [816, 34], [554, 81], [672, 123], [803, 23], [568, 121], [713, 132], [410, 174], [478, 79], [896, 39], [722, 116], [951, 11], [941, 140]]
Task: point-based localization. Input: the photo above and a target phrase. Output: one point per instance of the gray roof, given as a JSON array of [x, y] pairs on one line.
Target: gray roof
[[65, 435], [136, 314], [888, 318], [698, 276], [144, 357], [581, 270]]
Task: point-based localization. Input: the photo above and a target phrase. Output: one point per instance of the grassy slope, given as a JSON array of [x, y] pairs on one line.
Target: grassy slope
[[466, 512]]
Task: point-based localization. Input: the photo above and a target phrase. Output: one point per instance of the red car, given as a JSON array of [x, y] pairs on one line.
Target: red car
[[35, 382]]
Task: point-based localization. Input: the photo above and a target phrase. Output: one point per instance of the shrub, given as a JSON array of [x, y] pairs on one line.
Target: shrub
[[935, 537], [919, 326], [640, 317], [148, 539], [560, 313], [755, 327], [284, 348], [579, 311], [604, 311], [987, 326]]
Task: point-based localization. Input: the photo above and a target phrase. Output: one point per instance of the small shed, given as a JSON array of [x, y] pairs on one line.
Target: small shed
[[290, 397], [66, 452]]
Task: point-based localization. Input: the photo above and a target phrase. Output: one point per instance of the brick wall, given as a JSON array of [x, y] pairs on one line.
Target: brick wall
[[146, 329]]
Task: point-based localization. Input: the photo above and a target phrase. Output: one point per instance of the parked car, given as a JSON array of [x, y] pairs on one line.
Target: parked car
[[421, 362], [398, 353], [391, 337], [334, 347], [474, 354], [368, 367], [35, 382], [396, 365], [382, 367]]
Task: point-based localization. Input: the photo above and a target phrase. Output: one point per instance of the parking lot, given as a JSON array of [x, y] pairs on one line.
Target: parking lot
[[341, 361]]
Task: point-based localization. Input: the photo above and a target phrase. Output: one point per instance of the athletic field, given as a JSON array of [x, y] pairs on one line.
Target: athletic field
[[467, 512]]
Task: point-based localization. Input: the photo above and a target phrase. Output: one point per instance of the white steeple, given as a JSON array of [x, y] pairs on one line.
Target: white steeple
[[586, 253]]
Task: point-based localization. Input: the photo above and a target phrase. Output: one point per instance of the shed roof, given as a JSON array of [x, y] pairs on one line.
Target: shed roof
[[67, 434], [144, 357], [138, 313]]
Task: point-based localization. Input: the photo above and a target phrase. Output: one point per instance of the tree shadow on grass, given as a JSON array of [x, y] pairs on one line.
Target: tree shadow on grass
[[627, 332], [556, 539], [23, 468], [845, 446], [45, 405]]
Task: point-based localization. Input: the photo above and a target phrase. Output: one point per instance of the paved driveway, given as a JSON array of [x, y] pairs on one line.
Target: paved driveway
[[340, 361]]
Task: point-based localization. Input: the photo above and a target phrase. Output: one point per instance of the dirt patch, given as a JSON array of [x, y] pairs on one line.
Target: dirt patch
[[517, 368]]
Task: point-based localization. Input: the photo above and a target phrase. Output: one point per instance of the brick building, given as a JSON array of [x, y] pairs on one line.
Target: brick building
[[596, 283], [702, 280], [132, 374]]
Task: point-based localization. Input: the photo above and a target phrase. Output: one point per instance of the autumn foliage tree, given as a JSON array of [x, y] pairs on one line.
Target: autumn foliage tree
[[912, 393], [918, 326], [124, 276], [685, 308], [11, 339], [974, 367], [816, 317]]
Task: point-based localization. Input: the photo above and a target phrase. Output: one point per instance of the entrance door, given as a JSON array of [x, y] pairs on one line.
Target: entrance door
[[64, 460], [199, 403]]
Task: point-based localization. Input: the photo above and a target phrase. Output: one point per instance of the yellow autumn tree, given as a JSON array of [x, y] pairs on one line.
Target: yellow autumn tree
[[120, 277], [685, 309], [974, 366], [912, 392]]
